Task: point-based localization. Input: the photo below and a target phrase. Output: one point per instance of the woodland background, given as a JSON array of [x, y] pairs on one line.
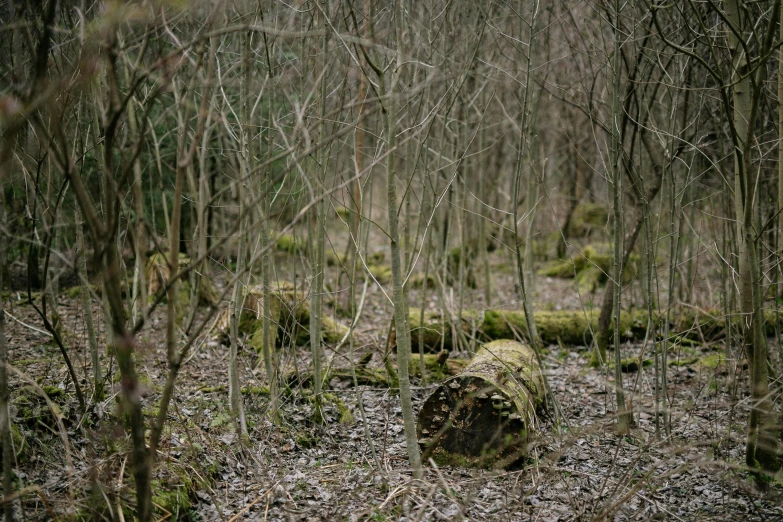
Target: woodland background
[[243, 244]]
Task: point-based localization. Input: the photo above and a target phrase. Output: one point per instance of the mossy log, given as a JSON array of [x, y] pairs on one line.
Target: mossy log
[[438, 367], [590, 267], [289, 318], [483, 416], [587, 217], [158, 274], [571, 327]]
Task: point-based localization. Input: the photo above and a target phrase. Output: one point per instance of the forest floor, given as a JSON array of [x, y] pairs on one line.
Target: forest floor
[[296, 470]]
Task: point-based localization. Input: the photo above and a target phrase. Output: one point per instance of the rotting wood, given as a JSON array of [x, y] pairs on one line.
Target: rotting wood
[[484, 415]]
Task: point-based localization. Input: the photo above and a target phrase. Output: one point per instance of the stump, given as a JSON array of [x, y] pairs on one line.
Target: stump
[[483, 416]]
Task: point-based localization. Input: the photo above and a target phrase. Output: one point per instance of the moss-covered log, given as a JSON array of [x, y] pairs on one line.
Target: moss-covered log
[[290, 318], [572, 327], [483, 416], [590, 267]]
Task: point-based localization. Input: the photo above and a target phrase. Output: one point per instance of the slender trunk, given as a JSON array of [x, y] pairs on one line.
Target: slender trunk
[[92, 340], [400, 316], [624, 416], [319, 250], [5, 413], [761, 449], [779, 272]]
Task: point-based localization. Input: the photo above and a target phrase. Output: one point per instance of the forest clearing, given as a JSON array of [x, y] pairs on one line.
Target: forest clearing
[[374, 260]]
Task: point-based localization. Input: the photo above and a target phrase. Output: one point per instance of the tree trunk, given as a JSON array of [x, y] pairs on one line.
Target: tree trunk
[[483, 416]]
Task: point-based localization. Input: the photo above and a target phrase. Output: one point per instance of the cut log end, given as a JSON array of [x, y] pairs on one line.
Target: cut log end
[[483, 416]]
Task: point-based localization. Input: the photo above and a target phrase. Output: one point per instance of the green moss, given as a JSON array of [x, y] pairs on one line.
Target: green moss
[[53, 391], [712, 360], [287, 243], [432, 330], [381, 273], [345, 415], [436, 370], [631, 364], [376, 258], [306, 439], [589, 280], [173, 496], [73, 292], [417, 281], [586, 218], [591, 267], [255, 390], [443, 458], [19, 442], [335, 259], [28, 362]]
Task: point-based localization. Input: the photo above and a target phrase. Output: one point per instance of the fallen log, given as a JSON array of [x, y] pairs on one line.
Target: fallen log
[[438, 367], [483, 416], [570, 327], [289, 318]]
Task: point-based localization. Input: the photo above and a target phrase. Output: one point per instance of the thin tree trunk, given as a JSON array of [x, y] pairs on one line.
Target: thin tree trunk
[[400, 316]]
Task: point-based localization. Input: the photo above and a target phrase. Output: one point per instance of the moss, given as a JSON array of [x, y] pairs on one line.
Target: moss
[[444, 458], [417, 281], [345, 415], [306, 440], [591, 267], [712, 360], [335, 259], [19, 442], [255, 390], [586, 218], [437, 365], [589, 280], [287, 243], [53, 391], [391, 373], [173, 496], [432, 330], [73, 292], [28, 362], [683, 361], [631, 364], [376, 258], [381, 273]]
